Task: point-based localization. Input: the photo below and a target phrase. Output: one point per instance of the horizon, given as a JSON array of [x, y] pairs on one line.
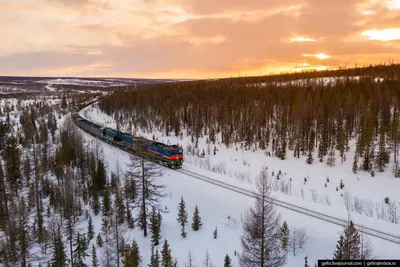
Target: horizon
[[175, 39]]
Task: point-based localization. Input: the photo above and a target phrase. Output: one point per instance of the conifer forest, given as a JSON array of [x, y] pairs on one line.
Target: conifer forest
[[69, 199]]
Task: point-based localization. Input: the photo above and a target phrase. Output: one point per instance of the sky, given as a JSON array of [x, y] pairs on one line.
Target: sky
[[194, 38]]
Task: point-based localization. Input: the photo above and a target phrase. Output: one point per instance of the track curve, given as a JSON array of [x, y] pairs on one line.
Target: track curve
[[321, 216]]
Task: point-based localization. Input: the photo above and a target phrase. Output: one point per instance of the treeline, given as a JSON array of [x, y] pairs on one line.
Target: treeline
[[313, 120]]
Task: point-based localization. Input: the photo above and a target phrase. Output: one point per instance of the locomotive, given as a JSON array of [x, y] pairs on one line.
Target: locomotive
[[170, 156]]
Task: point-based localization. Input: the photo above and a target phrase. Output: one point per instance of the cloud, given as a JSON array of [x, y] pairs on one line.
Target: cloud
[[319, 55], [383, 35], [302, 39], [193, 38]]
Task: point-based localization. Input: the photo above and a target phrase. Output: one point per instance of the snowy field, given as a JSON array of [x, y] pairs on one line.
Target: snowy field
[[241, 168], [299, 182], [215, 205]]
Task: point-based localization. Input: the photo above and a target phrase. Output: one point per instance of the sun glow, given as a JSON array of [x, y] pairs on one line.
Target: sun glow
[[302, 39], [319, 56], [383, 35], [394, 4]]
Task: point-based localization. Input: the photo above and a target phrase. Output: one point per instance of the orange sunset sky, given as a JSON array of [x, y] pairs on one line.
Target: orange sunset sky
[[193, 38]]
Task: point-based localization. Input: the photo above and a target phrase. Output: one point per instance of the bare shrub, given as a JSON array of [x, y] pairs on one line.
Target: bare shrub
[[380, 211], [368, 208], [314, 195], [285, 187], [392, 213], [298, 239], [207, 164], [358, 205], [365, 248], [301, 237], [347, 201], [242, 176], [327, 200], [275, 185]]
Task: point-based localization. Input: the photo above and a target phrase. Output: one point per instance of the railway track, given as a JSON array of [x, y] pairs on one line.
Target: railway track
[[324, 217], [321, 216]]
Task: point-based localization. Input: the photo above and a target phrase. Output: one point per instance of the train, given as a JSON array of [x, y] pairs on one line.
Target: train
[[170, 156]]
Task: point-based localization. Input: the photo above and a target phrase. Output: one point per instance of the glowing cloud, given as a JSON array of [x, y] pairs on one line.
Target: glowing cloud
[[192, 38], [319, 56], [200, 41], [383, 35], [302, 39], [394, 4]]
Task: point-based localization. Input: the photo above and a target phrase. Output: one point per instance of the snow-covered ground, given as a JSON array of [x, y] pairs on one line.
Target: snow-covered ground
[[215, 205], [360, 189], [241, 168]]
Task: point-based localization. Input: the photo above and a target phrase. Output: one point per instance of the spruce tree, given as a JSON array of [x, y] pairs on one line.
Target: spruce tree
[[285, 235], [351, 242], [59, 258], [95, 261], [227, 261], [106, 202], [99, 240], [155, 227], [90, 228], [338, 254], [80, 252], [182, 216], [196, 224], [166, 257], [154, 258]]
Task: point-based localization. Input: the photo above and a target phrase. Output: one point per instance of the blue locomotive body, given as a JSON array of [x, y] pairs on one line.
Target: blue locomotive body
[[168, 155]]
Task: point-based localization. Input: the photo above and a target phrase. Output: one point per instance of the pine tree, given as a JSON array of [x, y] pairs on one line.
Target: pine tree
[[227, 261], [215, 233], [261, 239], [196, 224], [182, 216], [284, 235], [155, 227], [166, 257], [90, 228], [95, 261]]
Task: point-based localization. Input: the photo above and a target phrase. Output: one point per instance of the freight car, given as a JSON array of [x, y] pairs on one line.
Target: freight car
[[167, 155]]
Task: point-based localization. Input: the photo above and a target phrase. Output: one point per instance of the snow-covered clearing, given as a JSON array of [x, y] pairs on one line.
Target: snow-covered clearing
[[215, 205], [240, 168], [299, 182]]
